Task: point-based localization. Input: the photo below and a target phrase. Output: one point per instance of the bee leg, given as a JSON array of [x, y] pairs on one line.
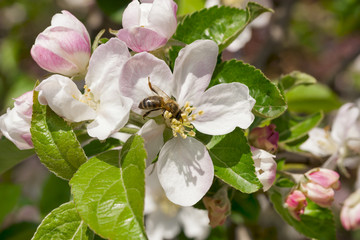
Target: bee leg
[[148, 112], [150, 86]]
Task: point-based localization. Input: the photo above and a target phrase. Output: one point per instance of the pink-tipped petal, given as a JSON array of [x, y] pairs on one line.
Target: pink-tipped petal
[[325, 177], [141, 39], [185, 170]]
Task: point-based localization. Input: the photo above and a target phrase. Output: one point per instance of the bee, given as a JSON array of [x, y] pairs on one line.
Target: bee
[[161, 101]]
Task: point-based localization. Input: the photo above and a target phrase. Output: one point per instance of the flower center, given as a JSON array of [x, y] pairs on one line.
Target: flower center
[[88, 98], [183, 126]]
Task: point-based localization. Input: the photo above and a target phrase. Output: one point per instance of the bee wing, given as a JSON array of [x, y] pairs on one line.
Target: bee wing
[[158, 91], [161, 93]]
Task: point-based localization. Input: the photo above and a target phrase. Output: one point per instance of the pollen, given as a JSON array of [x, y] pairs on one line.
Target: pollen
[[183, 127]]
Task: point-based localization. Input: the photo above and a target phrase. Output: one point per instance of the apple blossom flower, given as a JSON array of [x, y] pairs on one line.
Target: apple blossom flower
[[101, 102], [319, 186], [296, 203], [15, 123], [265, 167], [259, 22], [64, 47], [148, 25], [350, 212], [184, 166], [265, 138], [344, 135], [218, 206], [164, 219]]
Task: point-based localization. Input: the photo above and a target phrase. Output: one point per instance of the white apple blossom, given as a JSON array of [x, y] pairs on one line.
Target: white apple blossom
[[184, 167], [15, 123], [341, 141], [164, 219], [101, 102]]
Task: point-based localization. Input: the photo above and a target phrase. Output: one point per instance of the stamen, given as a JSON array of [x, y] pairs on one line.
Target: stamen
[[183, 127]]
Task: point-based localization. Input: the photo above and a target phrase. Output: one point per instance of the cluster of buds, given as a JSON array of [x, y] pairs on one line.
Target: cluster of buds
[[318, 185]]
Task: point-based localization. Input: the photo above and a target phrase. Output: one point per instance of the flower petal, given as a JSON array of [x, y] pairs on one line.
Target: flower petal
[[346, 118], [319, 143], [16, 128], [162, 17], [185, 170], [105, 66], [66, 19], [195, 222], [226, 106], [193, 69], [153, 139], [112, 114], [140, 39], [131, 15], [134, 78], [62, 95], [160, 226]]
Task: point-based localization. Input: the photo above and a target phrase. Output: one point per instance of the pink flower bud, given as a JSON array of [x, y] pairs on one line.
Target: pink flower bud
[[15, 123], [350, 213], [324, 177], [218, 207], [265, 138], [265, 167], [320, 185], [148, 25], [64, 47], [296, 203]]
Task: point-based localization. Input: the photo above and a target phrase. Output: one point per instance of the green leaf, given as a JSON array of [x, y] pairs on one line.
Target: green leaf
[[110, 198], [220, 24], [55, 192], [292, 127], [96, 146], [312, 98], [11, 155], [9, 195], [63, 223], [294, 79], [269, 101], [233, 161], [55, 142], [316, 222], [247, 205]]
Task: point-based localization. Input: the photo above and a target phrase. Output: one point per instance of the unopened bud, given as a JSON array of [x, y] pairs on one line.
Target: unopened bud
[[218, 207], [319, 186], [350, 213], [296, 203], [265, 138]]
